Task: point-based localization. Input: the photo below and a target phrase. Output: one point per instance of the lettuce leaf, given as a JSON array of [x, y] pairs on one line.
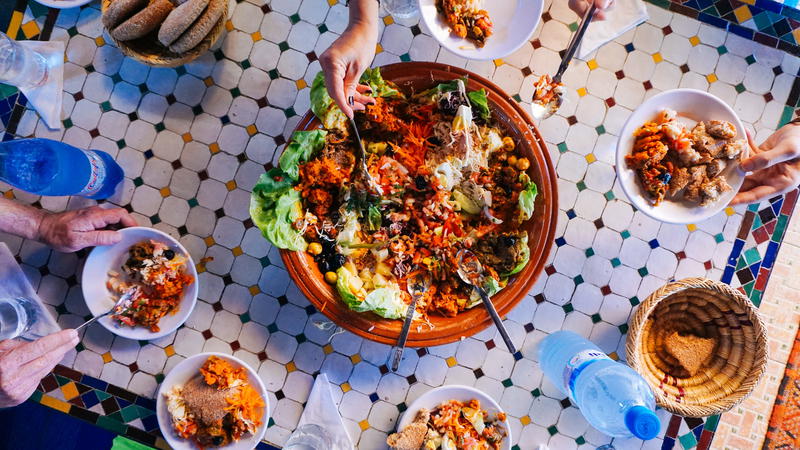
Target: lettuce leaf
[[524, 257], [270, 186], [490, 285], [304, 144], [480, 104], [379, 86], [386, 302], [527, 197], [276, 220], [351, 289], [324, 107]]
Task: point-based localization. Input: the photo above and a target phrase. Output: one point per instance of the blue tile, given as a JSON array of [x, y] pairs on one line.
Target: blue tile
[[146, 403], [727, 276], [668, 444], [571, 214], [122, 402], [560, 242], [754, 269], [776, 207], [769, 5], [698, 430], [770, 255], [94, 382], [712, 20], [739, 30], [654, 243], [150, 423], [90, 399], [738, 245]]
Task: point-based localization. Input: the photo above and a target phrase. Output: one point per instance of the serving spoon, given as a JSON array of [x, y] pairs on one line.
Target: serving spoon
[[542, 111], [117, 308], [417, 284], [471, 272], [372, 185]]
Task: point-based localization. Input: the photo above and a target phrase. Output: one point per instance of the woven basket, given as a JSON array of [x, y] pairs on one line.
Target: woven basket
[[148, 50], [703, 308]]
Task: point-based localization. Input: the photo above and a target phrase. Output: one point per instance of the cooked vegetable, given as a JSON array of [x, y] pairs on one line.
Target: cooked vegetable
[[527, 197], [480, 103]]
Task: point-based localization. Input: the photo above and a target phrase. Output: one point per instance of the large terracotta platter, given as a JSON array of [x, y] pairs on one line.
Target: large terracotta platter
[[418, 76]]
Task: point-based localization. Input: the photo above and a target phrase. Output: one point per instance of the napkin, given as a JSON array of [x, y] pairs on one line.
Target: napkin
[[14, 283], [624, 15], [321, 410], [47, 98]]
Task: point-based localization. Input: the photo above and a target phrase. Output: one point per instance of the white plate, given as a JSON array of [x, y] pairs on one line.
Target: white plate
[[514, 23], [107, 258], [437, 396], [63, 4], [183, 372], [692, 104]]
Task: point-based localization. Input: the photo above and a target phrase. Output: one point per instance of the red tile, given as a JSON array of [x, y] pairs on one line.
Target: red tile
[[789, 201], [760, 235]]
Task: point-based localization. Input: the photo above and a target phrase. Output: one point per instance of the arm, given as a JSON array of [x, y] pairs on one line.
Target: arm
[[18, 219], [349, 55], [775, 165]]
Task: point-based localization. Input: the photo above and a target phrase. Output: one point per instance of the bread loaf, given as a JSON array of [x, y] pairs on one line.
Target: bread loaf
[[119, 10], [200, 28], [144, 21], [179, 20]]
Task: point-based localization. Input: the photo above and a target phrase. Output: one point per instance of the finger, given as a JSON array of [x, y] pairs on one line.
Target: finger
[[754, 195], [364, 89], [356, 106], [782, 152], [102, 217], [44, 364], [32, 350], [363, 99], [99, 238], [9, 344], [334, 81]]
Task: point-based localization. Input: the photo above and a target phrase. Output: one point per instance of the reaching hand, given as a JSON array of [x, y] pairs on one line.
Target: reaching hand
[[775, 166], [23, 364], [344, 62], [580, 6], [73, 230]]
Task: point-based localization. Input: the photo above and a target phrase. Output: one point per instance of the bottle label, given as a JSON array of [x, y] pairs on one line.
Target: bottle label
[[575, 366], [97, 175]]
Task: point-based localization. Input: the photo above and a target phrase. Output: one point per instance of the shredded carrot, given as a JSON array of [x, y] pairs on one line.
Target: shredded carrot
[[217, 371]]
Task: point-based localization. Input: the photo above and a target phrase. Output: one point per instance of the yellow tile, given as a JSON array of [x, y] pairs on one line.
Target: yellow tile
[[614, 356], [251, 129], [229, 26], [214, 148], [290, 367], [749, 2], [657, 58], [208, 81], [712, 78], [590, 158], [388, 20], [730, 211], [237, 251], [14, 24], [9, 195], [301, 84], [209, 241], [100, 41], [582, 92], [164, 192], [255, 290], [451, 361], [107, 357], [333, 2], [355, 359], [69, 390], [592, 63], [187, 137], [256, 36], [796, 34], [378, 48], [364, 424], [525, 420], [230, 185], [169, 350], [691, 227], [30, 29], [743, 13], [55, 403], [498, 62], [346, 387], [694, 40]]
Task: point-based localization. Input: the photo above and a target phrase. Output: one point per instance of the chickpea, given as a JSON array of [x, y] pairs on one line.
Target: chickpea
[[523, 164], [512, 160], [331, 277], [508, 143], [315, 248]]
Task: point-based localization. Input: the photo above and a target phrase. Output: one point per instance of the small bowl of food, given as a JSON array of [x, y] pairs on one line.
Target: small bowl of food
[[452, 417], [157, 267], [483, 30], [678, 156], [212, 400]]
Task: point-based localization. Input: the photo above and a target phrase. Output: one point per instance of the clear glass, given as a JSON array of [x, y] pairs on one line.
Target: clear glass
[[401, 9], [17, 316], [20, 66], [308, 437]]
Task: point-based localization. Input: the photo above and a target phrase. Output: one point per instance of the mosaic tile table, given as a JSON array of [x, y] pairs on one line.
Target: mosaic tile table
[[193, 140]]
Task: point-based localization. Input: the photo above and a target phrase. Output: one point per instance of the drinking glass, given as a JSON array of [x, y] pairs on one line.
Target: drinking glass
[[17, 316], [401, 9], [308, 437], [20, 66]]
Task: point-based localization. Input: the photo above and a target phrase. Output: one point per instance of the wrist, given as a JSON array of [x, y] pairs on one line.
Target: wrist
[[364, 27], [38, 224]]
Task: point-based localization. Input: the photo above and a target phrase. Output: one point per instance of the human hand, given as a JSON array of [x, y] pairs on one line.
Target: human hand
[[70, 231], [344, 62], [23, 364], [580, 6], [775, 166]]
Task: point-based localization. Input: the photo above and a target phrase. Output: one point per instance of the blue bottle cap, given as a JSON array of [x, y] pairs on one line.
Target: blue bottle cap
[[642, 422]]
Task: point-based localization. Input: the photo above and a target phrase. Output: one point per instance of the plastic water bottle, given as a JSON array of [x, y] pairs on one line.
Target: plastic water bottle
[[47, 167], [612, 397]]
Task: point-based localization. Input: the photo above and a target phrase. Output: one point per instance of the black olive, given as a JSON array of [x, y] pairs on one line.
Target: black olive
[[336, 260], [169, 254], [217, 440], [509, 241], [435, 141], [420, 182], [324, 266]]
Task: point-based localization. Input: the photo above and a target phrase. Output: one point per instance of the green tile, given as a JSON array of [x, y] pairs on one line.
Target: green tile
[[748, 288], [615, 262], [753, 208], [786, 116], [780, 228], [634, 300], [589, 252], [740, 88], [719, 237], [36, 396], [581, 185], [102, 395], [755, 297], [402, 406], [752, 255], [192, 202], [517, 98], [516, 447], [246, 64], [578, 280], [138, 181], [180, 70], [322, 28], [62, 380], [106, 106], [661, 3], [596, 318], [273, 74], [129, 413], [711, 423], [67, 123], [121, 144], [264, 261], [154, 219], [751, 59], [507, 382], [609, 195], [740, 263], [283, 46], [116, 78], [72, 31], [600, 129], [160, 127], [536, 392], [568, 308], [271, 422], [562, 147], [625, 234], [405, 57], [159, 378], [688, 440], [643, 271], [289, 112], [552, 430], [580, 440], [111, 424], [235, 92], [722, 49], [573, 26], [7, 90], [294, 18], [244, 317], [79, 348], [623, 328]]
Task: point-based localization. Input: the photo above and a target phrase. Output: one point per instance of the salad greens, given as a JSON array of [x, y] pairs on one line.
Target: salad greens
[[304, 144], [527, 197], [480, 103]]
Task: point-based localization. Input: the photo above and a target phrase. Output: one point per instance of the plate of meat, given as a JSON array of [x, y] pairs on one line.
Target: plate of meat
[[678, 156]]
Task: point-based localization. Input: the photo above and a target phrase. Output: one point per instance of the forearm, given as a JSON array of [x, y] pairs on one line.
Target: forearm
[[21, 220], [364, 14]]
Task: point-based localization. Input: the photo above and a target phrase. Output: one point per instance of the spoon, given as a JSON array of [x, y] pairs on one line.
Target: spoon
[[417, 284], [471, 272], [117, 308], [372, 185], [541, 111]]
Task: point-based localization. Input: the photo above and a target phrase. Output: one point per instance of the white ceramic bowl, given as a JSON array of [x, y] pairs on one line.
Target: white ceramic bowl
[[63, 4], [103, 259], [437, 396], [692, 104], [514, 23], [183, 372]]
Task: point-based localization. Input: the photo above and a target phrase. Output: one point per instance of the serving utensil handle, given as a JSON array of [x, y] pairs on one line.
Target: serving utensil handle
[[91, 321], [497, 320], [575, 42], [401, 341]]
